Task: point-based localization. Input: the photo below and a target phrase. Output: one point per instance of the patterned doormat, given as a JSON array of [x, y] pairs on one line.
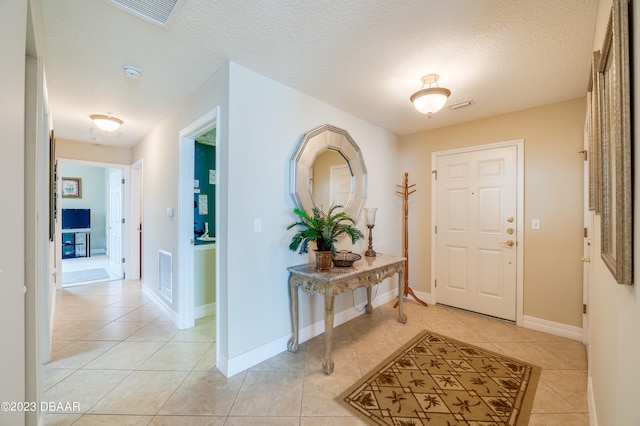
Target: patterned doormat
[[436, 380]]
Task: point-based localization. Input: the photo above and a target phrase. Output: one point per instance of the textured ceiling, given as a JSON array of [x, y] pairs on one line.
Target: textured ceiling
[[365, 57]]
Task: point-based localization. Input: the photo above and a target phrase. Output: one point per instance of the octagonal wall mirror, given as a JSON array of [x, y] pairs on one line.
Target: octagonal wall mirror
[[328, 169]]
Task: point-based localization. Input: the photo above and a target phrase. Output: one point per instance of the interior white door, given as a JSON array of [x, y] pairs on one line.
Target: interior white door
[[116, 222], [476, 232], [340, 189]]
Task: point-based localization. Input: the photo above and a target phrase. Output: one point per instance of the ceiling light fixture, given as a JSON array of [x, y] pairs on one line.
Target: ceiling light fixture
[[430, 100], [106, 123]]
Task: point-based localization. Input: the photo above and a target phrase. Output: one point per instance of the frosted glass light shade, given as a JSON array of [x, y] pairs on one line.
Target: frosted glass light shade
[[106, 123], [430, 100]]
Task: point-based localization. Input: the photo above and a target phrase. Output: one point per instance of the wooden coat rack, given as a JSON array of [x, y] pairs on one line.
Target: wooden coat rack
[[405, 190]]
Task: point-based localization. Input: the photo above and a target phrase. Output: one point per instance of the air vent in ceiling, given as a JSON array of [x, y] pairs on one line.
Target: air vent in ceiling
[[159, 12]]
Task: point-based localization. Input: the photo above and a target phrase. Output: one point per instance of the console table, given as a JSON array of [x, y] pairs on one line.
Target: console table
[[366, 272]]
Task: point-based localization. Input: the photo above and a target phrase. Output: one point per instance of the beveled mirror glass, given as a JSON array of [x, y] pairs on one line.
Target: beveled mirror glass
[[328, 169]]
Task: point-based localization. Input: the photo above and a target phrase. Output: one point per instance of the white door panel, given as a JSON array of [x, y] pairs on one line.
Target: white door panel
[[476, 194], [116, 225], [340, 187]]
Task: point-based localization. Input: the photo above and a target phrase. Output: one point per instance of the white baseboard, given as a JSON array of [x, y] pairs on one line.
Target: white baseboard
[[593, 418], [160, 303], [204, 310], [556, 328], [235, 365], [312, 330], [425, 297]]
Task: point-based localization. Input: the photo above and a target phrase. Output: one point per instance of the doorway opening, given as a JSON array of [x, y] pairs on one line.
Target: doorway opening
[[204, 223], [91, 229], [198, 221]]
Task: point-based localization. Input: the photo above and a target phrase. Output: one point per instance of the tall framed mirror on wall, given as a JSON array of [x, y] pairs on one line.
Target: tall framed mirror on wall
[[611, 192]]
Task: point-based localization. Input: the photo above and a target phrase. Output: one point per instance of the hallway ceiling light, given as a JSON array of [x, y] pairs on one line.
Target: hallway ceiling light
[[430, 100], [106, 123]]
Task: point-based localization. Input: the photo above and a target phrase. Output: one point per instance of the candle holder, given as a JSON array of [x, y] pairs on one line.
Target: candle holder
[[370, 221]]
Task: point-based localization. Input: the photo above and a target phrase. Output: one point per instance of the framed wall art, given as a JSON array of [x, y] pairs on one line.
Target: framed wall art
[[71, 187]]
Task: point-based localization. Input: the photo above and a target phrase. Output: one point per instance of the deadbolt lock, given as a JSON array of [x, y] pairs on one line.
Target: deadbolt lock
[[510, 219], [510, 230]]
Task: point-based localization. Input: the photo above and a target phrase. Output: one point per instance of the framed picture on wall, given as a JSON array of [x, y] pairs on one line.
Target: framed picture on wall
[[611, 175], [71, 187]]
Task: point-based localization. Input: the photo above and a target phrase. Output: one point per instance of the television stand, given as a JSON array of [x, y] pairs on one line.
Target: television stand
[[76, 243]]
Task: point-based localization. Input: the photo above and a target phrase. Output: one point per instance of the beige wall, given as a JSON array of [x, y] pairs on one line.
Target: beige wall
[[614, 310], [72, 150], [13, 28], [552, 135]]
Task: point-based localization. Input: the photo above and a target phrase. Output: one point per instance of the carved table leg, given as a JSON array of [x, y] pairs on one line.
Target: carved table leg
[[401, 316], [327, 362], [293, 294], [369, 308]]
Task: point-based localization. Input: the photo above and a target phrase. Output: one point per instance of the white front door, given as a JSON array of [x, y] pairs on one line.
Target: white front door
[[116, 222], [476, 230]]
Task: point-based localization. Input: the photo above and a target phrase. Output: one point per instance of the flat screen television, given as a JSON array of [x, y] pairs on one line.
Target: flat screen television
[[76, 218]]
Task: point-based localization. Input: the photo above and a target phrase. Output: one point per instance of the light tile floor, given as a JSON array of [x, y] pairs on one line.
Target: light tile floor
[[85, 263], [116, 355]]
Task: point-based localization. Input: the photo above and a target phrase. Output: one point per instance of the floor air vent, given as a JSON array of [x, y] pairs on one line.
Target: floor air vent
[[159, 12], [165, 273]]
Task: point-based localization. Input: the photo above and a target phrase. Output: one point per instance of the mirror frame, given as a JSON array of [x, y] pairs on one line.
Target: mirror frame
[[614, 125], [313, 144], [610, 127]]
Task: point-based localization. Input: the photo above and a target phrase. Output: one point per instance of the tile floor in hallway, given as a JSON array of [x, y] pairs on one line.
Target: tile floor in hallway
[[124, 363], [85, 263]]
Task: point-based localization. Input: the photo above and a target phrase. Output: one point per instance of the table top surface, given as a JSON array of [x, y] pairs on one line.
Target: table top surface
[[337, 273]]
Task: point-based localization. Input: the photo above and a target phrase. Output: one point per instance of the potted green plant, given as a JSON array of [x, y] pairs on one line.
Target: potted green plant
[[324, 229]]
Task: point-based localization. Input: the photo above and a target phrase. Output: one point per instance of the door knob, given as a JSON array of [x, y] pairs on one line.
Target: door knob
[[509, 243]]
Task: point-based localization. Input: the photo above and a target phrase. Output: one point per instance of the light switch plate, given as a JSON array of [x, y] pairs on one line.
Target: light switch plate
[[535, 224]]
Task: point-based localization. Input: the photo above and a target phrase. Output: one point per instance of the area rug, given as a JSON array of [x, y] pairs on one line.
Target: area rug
[[86, 275], [436, 380]]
